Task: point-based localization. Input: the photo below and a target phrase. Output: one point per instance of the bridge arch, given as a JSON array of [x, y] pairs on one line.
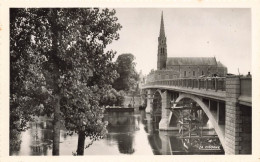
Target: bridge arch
[[158, 91], [205, 108]]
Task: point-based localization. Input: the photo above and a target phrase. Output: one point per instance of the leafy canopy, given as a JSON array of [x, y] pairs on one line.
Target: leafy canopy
[[128, 76], [59, 52]]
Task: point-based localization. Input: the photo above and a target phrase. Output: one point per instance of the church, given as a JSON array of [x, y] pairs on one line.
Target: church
[[183, 67]]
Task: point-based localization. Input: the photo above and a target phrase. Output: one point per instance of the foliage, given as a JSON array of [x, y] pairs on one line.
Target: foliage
[[113, 97], [84, 113], [53, 54], [128, 76], [26, 90]]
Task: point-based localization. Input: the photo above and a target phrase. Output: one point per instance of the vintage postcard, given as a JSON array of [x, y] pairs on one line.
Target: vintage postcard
[[123, 80]]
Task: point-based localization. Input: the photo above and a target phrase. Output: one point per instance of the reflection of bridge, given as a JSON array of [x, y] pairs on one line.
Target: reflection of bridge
[[226, 102]]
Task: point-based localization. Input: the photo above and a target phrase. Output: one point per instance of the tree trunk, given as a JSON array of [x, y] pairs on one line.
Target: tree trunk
[[55, 74], [56, 127], [81, 143]]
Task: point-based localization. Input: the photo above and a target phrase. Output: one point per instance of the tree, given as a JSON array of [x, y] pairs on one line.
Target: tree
[[53, 54], [113, 97], [126, 69]]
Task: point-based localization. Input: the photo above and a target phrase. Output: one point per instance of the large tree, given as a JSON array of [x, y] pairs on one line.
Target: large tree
[[128, 76], [59, 67]]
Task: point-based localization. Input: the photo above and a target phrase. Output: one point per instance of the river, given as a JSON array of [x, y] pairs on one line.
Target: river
[[129, 133]]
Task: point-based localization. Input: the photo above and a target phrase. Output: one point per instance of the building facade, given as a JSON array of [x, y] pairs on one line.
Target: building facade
[[182, 67]]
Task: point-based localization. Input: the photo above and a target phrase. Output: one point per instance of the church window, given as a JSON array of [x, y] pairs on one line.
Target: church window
[[184, 73], [193, 73], [162, 50], [202, 72]]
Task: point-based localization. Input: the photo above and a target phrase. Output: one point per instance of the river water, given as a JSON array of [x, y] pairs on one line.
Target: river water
[[129, 133]]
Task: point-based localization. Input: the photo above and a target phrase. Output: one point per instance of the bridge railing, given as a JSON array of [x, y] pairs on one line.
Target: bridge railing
[[211, 83]]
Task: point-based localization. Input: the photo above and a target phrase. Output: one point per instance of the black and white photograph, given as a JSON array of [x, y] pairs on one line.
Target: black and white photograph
[[97, 80]]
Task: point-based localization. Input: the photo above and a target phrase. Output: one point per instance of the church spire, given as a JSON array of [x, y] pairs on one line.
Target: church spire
[[162, 32], [162, 48]]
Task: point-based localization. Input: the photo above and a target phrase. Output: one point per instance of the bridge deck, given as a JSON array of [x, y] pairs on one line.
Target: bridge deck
[[219, 95], [210, 87]]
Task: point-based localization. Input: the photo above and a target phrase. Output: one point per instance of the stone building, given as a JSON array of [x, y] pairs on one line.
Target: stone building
[[182, 67]]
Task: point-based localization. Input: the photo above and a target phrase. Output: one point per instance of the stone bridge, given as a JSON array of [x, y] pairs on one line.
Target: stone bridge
[[225, 101]]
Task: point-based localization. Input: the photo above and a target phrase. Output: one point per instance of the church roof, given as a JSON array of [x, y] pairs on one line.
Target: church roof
[[191, 61], [220, 64]]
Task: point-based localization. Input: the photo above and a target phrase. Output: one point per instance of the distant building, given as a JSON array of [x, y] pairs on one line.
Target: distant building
[[182, 67], [142, 79]]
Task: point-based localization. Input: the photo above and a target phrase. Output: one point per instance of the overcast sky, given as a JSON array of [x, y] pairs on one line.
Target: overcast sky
[[223, 33]]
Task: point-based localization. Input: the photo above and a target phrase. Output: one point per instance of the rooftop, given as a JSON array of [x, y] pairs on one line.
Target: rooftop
[[191, 61]]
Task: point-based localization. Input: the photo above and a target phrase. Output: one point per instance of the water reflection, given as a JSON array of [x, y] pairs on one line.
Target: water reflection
[[15, 142], [128, 133], [121, 128], [41, 132]]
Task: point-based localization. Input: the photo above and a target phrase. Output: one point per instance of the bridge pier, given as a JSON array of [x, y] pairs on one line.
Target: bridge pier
[[166, 99], [166, 113], [149, 104], [236, 120]]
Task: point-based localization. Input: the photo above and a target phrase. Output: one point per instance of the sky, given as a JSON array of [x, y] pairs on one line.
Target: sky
[[191, 32]]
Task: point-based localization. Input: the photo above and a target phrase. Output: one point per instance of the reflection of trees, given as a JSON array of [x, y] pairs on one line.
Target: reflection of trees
[[123, 124], [40, 137], [47, 135], [125, 143], [46, 124], [153, 135], [118, 123], [15, 142]]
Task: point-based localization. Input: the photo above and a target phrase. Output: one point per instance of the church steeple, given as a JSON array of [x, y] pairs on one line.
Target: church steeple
[[162, 47], [162, 32]]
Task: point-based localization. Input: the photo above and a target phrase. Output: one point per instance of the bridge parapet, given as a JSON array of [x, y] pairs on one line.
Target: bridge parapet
[[212, 83]]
